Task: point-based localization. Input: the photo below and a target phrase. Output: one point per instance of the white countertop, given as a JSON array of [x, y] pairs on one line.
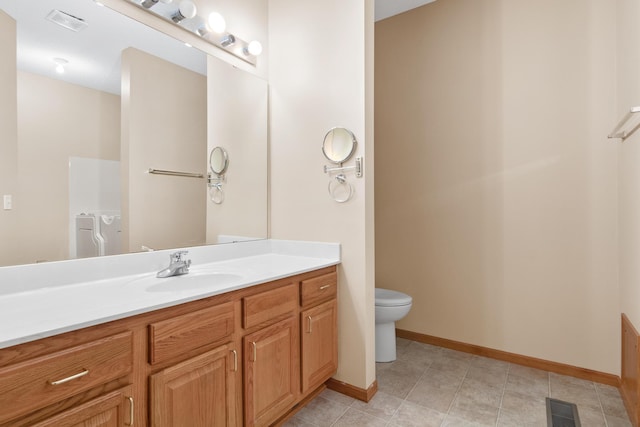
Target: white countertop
[[43, 300]]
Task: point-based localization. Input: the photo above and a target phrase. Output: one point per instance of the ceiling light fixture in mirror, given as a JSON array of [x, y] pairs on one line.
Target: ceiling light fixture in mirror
[[212, 29]]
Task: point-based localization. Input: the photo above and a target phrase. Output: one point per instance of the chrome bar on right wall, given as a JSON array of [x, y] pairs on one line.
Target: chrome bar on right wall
[[620, 132]]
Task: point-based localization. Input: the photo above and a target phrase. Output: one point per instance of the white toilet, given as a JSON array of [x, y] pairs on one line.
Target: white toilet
[[390, 307]]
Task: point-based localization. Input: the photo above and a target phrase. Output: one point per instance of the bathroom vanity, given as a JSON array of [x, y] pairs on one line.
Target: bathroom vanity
[[243, 351]]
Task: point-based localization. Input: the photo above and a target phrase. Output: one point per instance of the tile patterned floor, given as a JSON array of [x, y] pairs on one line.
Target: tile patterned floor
[[433, 386]]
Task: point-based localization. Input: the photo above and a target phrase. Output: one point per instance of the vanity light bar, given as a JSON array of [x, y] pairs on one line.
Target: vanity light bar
[[184, 15]]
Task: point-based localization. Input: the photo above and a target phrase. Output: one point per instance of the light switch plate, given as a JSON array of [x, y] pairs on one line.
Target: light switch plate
[[8, 203]]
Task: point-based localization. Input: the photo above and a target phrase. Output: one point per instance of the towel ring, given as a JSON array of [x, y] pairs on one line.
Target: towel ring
[[216, 194], [340, 182]]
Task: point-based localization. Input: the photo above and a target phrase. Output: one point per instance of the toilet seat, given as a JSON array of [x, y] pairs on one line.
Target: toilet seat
[[389, 298]]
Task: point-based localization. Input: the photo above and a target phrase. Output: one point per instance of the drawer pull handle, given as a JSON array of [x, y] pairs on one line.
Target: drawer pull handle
[[309, 319], [255, 351], [322, 288], [72, 377], [130, 411], [235, 360]]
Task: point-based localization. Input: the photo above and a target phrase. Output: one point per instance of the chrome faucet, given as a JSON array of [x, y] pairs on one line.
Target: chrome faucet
[[177, 266]]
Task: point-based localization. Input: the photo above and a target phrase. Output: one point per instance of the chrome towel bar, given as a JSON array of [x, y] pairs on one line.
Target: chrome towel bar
[[175, 173]]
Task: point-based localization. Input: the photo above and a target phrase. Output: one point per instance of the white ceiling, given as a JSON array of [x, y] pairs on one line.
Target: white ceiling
[[93, 53], [387, 8]]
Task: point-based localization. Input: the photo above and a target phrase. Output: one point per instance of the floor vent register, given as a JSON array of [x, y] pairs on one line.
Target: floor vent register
[[562, 414]]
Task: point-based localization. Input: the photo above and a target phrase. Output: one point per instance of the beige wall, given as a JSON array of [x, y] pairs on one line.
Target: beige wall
[[56, 120], [318, 79], [628, 95], [496, 206], [164, 114], [9, 139], [237, 121]]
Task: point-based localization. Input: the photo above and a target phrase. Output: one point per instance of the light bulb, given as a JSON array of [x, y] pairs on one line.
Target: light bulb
[[187, 9], [59, 69], [254, 48], [217, 23]]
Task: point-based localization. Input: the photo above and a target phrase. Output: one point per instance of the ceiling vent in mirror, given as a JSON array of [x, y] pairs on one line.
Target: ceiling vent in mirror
[[66, 20]]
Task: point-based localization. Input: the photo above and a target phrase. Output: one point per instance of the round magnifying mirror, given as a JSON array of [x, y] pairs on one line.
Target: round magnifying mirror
[[339, 145], [218, 160]]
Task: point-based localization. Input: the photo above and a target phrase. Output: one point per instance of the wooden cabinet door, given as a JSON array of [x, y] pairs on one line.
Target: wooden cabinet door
[[114, 409], [319, 344], [271, 367], [199, 392]]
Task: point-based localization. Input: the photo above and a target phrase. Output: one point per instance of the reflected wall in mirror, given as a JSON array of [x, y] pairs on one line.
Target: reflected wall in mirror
[[238, 122], [72, 131], [164, 126]]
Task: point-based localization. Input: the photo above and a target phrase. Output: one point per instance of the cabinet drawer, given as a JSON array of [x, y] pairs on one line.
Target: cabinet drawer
[[318, 289], [173, 337], [113, 409], [269, 305], [39, 382]]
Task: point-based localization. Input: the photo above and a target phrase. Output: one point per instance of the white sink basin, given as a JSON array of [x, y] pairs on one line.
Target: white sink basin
[[190, 281]]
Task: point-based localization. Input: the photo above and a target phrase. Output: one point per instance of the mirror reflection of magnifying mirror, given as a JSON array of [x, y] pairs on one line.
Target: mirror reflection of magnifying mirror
[[218, 161], [339, 145]]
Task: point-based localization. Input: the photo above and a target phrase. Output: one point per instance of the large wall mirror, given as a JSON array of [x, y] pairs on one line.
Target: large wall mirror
[[98, 109]]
